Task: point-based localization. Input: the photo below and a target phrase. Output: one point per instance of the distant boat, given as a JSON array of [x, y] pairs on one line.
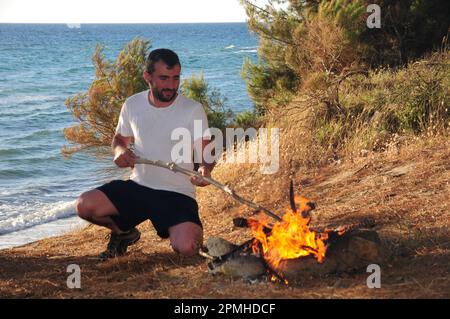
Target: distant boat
[[73, 25]]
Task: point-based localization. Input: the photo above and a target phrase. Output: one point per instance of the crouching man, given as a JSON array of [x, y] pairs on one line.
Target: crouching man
[[147, 120]]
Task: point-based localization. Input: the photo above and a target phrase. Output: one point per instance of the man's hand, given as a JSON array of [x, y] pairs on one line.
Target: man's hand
[[124, 157], [204, 171]]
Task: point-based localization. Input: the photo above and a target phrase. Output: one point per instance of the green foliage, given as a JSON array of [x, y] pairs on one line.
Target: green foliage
[[213, 103], [97, 111], [409, 29], [309, 36], [247, 119], [347, 14], [303, 37], [268, 85], [424, 94], [386, 103]]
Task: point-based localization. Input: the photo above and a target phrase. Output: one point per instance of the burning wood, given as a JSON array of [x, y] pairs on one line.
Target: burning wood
[[332, 231], [291, 237]]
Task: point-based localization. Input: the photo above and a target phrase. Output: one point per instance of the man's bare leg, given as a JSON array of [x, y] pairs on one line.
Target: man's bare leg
[[186, 238], [95, 207]]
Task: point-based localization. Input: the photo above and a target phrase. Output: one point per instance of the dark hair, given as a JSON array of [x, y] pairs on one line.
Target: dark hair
[[167, 56]]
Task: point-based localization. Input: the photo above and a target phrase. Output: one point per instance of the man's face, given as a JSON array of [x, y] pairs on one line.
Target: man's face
[[164, 82]]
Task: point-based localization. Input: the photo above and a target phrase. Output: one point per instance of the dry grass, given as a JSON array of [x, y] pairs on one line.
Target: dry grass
[[406, 189]]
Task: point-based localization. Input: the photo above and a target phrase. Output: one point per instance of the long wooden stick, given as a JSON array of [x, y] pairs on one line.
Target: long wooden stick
[[177, 169]]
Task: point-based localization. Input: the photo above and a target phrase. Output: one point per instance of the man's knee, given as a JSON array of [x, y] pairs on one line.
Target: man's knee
[[85, 206], [186, 238], [187, 248]]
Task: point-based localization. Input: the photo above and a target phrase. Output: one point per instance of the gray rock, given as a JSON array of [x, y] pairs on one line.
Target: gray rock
[[399, 171], [240, 267], [218, 246], [350, 254]]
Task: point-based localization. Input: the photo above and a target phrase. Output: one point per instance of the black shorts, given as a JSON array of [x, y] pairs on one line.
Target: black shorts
[[136, 203]]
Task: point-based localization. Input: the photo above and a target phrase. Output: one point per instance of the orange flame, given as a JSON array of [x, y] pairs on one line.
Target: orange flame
[[289, 238]]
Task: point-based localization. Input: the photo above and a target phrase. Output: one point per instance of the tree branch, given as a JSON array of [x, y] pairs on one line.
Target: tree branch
[[177, 169]]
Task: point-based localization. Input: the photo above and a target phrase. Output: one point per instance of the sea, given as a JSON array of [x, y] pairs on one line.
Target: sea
[[41, 65]]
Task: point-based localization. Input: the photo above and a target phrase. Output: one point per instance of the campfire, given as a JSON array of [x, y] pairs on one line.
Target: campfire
[[290, 248], [289, 238]]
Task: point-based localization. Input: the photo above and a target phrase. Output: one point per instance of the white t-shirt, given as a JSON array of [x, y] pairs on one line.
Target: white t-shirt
[[152, 129]]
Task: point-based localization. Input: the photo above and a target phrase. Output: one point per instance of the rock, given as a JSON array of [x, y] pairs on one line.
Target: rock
[[366, 249], [338, 178], [353, 252], [304, 267], [218, 246], [399, 171], [241, 267]]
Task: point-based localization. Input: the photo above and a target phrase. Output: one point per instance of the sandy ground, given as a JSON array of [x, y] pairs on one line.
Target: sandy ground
[[406, 190]]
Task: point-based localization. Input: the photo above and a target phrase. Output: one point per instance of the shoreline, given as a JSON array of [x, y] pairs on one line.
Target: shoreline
[[40, 232]]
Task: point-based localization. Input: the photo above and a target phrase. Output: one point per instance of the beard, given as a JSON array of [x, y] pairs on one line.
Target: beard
[[164, 95]]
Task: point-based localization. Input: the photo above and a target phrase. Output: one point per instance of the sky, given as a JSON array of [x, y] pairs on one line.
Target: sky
[[120, 11]]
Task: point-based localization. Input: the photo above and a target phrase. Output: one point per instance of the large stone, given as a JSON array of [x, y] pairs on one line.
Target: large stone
[[241, 267], [352, 252], [218, 246], [400, 170]]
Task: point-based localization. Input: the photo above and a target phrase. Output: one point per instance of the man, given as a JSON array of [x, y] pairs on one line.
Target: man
[[147, 120]]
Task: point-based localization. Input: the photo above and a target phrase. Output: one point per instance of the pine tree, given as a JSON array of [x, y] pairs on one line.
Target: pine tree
[[97, 111], [301, 38]]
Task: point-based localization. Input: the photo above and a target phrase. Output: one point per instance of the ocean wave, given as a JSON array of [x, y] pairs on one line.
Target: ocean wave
[[18, 173], [247, 51], [13, 151], [73, 25], [42, 161], [230, 47], [43, 213], [30, 99], [38, 134], [82, 69]]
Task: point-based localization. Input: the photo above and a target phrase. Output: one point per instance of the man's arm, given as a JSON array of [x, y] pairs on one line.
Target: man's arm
[[123, 156], [210, 166], [205, 168]]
